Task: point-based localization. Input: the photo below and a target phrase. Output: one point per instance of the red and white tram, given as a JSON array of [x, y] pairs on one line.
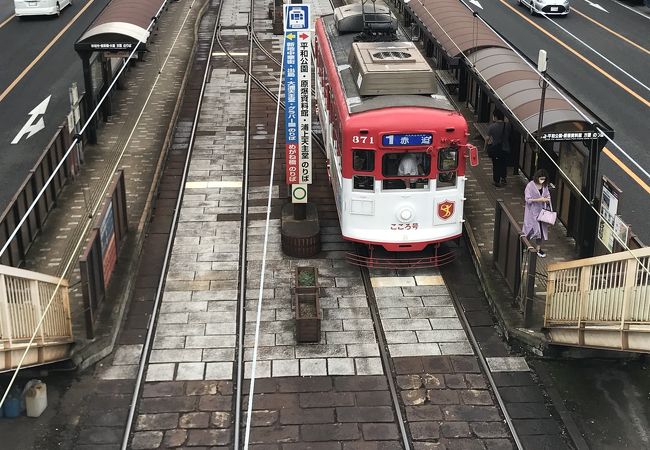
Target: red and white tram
[[396, 150]]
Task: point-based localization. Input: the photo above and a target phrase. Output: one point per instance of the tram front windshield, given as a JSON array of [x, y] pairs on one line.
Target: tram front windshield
[[406, 170]]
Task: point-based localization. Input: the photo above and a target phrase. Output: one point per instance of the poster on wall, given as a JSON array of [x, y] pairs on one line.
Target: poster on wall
[[621, 230], [108, 244]]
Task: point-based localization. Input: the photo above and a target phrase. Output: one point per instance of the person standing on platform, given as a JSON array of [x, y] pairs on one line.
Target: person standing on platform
[[537, 197], [498, 147]]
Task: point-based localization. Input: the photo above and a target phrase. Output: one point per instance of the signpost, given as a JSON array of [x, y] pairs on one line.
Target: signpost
[[297, 88], [300, 228]]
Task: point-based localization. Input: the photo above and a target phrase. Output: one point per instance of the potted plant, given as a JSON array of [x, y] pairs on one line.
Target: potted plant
[[307, 304], [306, 280]]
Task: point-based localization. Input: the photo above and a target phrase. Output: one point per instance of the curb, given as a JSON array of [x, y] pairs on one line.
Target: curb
[[531, 341], [558, 403], [102, 347]]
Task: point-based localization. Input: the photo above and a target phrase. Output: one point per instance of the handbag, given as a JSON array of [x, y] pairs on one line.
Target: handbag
[[547, 216]]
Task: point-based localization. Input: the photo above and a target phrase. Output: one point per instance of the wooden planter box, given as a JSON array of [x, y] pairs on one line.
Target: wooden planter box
[[306, 280], [308, 317]]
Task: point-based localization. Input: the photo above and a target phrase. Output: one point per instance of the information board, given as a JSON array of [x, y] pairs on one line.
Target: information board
[[297, 89], [608, 211]]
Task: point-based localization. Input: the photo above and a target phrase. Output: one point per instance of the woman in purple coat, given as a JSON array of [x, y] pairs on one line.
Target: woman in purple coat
[[537, 197]]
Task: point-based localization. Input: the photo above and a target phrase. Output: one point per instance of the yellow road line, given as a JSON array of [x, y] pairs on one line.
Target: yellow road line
[[580, 56], [618, 35], [626, 169], [606, 151], [44, 51], [7, 21]]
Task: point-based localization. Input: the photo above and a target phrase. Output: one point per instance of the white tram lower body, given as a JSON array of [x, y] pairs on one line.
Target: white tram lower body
[[398, 219]]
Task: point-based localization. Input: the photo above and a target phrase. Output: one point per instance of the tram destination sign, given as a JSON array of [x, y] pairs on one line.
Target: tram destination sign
[[402, 140], [569, 135]]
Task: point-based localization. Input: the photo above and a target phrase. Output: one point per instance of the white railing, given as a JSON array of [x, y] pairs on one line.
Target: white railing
[[24, 296], [605, 293]]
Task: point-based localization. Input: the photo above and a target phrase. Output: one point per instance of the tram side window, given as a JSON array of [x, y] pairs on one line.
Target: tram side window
[[447, 165], [363, 161]]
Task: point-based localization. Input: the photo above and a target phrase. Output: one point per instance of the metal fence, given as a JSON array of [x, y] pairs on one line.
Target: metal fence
[[515, 257], [100, 255], [24, 297], [44, 168]]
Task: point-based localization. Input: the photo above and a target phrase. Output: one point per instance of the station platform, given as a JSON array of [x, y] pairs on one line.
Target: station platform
[[188, 378]]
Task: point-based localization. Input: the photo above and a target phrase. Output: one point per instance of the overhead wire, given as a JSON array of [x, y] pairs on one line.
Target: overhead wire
[[534, 138], [96, 206]]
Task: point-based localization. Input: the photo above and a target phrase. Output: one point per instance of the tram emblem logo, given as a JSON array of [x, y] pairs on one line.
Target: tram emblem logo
[[446, 209]]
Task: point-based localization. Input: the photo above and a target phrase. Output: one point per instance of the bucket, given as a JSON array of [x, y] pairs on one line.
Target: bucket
[[36, 399]]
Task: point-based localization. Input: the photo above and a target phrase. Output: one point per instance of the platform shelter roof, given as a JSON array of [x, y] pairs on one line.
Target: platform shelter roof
[[518, 86], [453, 26], [120, 26]]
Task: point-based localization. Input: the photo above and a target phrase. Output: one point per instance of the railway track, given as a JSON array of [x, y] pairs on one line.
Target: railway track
[[384, 386]]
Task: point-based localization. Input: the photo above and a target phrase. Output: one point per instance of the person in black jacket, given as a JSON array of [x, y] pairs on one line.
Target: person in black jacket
[[498, 147]]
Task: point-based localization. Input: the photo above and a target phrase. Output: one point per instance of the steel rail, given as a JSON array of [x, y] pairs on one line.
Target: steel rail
[[472, 338], [485, 367], [146, 349], [383, 351], [243, 239]]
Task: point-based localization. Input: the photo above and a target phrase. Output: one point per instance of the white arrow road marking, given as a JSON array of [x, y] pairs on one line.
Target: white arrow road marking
[[476, 2], [33, 126], [597, 6]]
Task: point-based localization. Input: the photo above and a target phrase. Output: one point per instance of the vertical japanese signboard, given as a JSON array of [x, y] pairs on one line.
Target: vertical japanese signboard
[[297, 88], [108, 245], [608, 224]]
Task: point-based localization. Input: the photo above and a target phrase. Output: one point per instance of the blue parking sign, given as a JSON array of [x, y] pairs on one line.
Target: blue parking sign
[[296, 17]]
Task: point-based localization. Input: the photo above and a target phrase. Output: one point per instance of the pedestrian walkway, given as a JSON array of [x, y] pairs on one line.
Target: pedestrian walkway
[[187, 396], [479, 209], [137, 152]]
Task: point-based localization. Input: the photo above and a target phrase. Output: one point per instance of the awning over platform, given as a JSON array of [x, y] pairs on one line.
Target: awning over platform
[[120, 26], [519, 87], [454, 27]]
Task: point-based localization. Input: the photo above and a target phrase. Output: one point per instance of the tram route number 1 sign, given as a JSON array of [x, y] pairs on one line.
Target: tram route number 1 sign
[[297, 88]]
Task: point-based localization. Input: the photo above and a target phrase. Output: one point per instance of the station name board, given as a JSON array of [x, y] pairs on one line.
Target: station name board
[[112, 45], [570, 136]]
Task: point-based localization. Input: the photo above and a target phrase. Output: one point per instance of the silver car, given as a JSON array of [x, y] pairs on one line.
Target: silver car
[[547, 7]]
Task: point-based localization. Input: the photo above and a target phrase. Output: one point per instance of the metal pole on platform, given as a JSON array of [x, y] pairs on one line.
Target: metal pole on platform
[[541, 68]]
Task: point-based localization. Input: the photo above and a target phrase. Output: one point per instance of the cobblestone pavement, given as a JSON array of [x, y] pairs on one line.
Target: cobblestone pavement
[[330, 395]]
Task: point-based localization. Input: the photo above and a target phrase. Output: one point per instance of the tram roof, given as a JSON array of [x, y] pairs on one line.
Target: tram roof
[[120, 26], [453, 26], [341, 45]]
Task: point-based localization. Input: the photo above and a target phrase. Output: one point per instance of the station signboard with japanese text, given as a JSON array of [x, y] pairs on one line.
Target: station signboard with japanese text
[[297, 85], [569, 136]]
